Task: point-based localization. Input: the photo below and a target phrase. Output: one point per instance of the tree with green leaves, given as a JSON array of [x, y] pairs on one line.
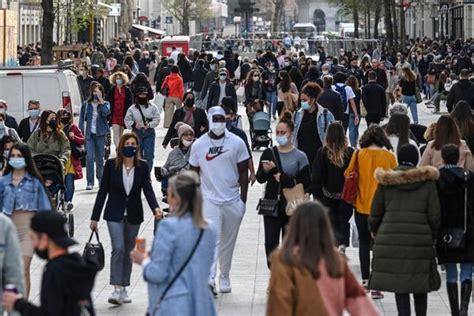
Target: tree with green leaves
[[80, 14], [186, 10]]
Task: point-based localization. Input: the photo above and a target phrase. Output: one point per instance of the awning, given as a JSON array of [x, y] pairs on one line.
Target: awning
[[148, 29]]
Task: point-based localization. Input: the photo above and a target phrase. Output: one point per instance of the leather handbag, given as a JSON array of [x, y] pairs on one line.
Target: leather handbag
[[351, 183], [269, 207], [94, 252], [77, 151], [431, 79], [294, 196], [454, 238]]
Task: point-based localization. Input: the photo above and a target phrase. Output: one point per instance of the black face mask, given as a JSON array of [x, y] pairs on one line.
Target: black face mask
[[53, 124], [189, 102], [43, 254], [142, 101]]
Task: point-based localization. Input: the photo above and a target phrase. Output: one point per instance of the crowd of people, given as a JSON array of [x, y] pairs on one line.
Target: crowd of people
[[410, 186]]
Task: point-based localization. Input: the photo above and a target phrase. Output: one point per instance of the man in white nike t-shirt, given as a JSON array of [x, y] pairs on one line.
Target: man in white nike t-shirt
[[221, 158]]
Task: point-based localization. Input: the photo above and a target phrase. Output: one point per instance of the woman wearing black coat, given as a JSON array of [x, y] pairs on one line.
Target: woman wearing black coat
[[124, 179], [197, 119], [328, 181], [199, 74], [452, 185], [281, 167], [185, 70]]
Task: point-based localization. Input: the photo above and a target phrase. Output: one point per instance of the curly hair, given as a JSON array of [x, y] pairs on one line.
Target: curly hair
[[375, 135]]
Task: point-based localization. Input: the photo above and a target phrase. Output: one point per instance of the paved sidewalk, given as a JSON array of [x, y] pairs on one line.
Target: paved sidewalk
[[249, 274]]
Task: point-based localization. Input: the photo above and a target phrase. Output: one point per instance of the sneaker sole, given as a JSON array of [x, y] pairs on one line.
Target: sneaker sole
[[127, 302], [225, 291], [114, 301]]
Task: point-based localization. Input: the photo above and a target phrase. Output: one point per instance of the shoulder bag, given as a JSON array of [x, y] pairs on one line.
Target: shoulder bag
[[294, 196], [454, 238], [94, 252], [77, 151], [269, 207], [176, 276], [351, 183]]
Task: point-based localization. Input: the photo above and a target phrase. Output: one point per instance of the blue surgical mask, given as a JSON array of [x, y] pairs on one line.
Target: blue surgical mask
[[282, 140], [17, 163], [119, 82], [129, 151], [223, 77], [34, 113], [2, 125], [305, 105]]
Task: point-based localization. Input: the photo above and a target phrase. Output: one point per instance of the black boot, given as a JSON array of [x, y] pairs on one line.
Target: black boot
[[453, 297], [466, 288]]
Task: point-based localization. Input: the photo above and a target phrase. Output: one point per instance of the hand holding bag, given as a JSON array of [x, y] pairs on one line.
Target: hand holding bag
[[453, 237], [269, 207], [94, 252], [351, 183]]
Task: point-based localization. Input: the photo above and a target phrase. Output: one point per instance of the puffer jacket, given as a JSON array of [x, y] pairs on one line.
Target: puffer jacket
[[451, 190], [405, 219]]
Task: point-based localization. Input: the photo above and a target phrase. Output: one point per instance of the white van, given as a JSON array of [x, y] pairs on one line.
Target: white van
[[54, 87]]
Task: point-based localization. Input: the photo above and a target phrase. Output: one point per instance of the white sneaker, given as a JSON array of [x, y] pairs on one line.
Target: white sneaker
[[69, 206], [116, 297], [212, 287], [124, 295], [224, 284]]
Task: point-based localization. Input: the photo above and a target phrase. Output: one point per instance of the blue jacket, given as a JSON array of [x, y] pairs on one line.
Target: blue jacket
[[190, 294], [30, 195], [324, 118], [102, 126], [118, 201]]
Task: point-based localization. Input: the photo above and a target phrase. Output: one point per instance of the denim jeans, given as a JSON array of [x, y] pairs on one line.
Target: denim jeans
[[95, 148], [272, 100], [452, 272], [353, 131], [69, 183], [147, 143], [122, 237], [410, 101]]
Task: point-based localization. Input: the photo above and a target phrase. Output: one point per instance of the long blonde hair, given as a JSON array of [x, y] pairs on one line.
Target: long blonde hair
[[336, 144], [408, 74], [187, 188]]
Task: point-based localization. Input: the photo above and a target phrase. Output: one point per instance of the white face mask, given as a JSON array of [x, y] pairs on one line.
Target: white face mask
[[218, 128], [187, 143]]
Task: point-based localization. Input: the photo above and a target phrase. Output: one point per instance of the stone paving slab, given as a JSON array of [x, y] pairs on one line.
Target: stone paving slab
[[249, 273]]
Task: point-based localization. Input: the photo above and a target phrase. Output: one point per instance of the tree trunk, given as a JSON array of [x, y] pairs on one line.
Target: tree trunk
[[47, 35], [378, 7], [277, 14], [402, 28], [355, 15], [368, 23], [394, 25], [388, 22]]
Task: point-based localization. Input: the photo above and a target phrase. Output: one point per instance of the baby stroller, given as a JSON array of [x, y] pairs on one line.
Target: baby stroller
[[260, 130], [51, 169]]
